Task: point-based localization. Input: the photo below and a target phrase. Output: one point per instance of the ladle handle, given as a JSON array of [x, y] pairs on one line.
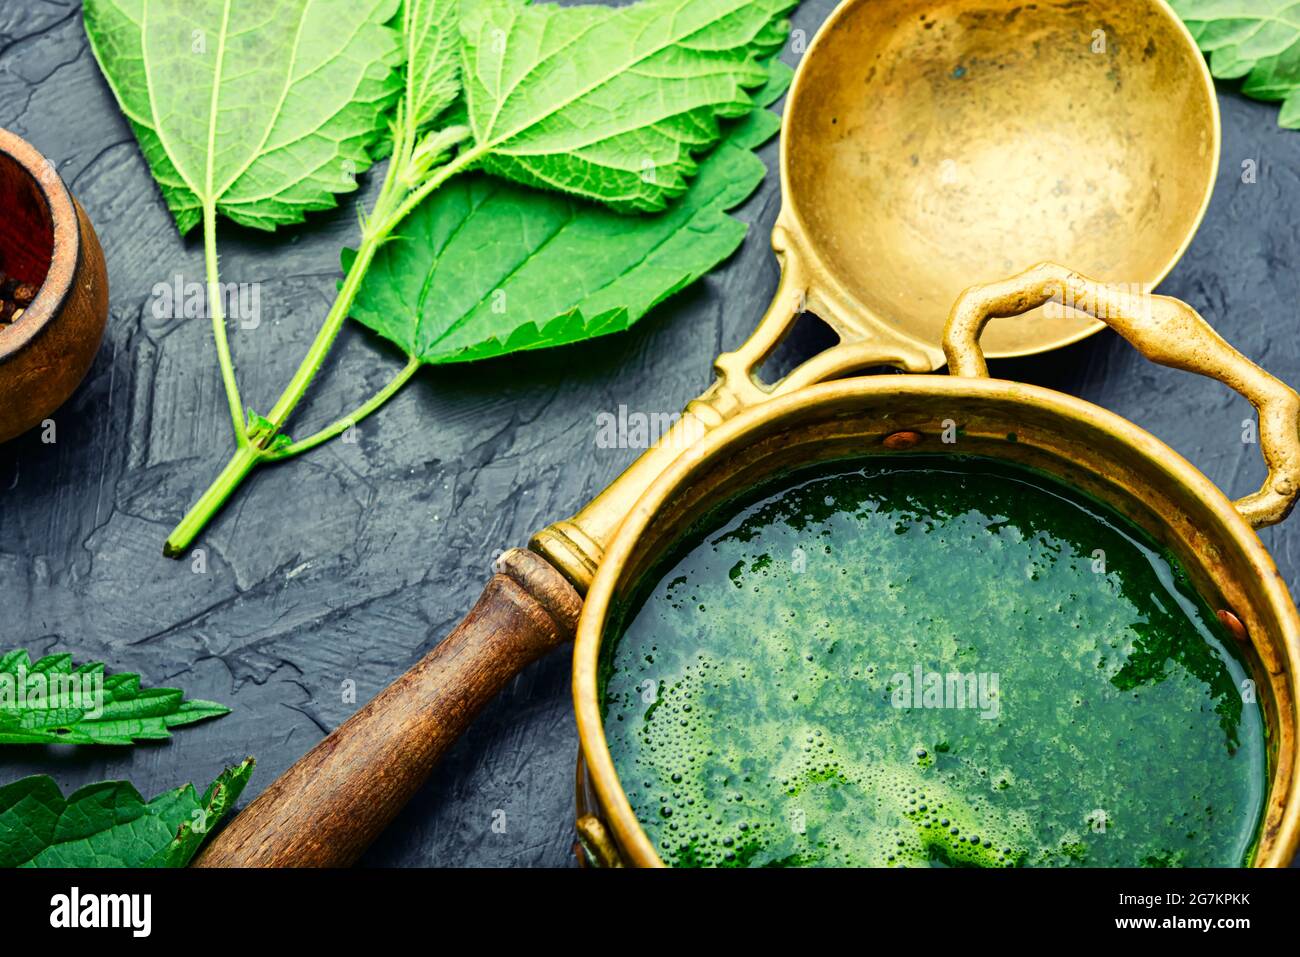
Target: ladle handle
[[329, 806], [1166, 331]]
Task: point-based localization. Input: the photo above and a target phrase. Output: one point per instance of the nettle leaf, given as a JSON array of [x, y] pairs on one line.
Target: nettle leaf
[[431, 41], [110, 824], [264, 108], [611, 103], [484, 267], [1255, 39], [51, 702]]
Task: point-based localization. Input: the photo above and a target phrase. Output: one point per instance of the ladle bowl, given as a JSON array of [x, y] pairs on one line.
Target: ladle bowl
[[932, 146]]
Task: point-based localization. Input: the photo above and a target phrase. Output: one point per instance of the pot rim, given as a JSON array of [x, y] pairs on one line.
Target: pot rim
[[65, 257], [718, 443]]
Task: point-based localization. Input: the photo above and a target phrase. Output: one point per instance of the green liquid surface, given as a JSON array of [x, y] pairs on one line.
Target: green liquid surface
[[925, 661]]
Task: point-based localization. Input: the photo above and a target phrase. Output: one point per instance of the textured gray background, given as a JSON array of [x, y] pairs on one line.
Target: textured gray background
[[354, 561]]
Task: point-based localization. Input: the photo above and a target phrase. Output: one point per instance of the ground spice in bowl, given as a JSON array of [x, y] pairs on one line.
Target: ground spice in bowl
[[15, 297]]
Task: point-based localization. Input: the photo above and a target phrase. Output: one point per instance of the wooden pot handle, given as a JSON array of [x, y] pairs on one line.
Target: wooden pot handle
[[329, 806]]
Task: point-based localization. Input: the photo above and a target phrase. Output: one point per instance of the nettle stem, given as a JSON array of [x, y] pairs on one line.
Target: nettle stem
[[210, 502], [218, 312], [394, 204], [348, 421]]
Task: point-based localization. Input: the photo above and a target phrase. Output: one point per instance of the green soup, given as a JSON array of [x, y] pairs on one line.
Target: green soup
[[931, 661]]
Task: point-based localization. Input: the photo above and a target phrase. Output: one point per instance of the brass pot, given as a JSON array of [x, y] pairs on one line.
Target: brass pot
[[1083, 445]]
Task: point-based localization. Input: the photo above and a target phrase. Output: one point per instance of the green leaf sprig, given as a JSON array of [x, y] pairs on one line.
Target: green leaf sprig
[[260, 110], [51, 702], [574, 106]]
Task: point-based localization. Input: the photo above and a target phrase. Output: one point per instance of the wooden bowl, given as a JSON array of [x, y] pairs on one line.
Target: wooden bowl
[[46, 241]]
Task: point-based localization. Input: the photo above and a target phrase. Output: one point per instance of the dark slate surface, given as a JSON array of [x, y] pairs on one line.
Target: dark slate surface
[[353, 562]]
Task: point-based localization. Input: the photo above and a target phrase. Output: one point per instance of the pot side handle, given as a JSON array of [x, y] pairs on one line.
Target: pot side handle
[[1166, 331], [330, 805]]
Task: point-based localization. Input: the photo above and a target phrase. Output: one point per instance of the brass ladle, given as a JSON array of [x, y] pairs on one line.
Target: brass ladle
[[923, 151]]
